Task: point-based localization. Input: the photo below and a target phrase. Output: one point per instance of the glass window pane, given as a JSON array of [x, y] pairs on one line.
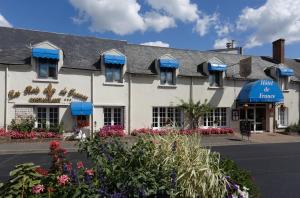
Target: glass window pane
[[52, 70], [109, 74], [170, 77], [43, 70], [117, 73], [163, 77]]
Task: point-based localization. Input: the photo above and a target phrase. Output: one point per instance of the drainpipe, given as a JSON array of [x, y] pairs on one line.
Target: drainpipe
[[191, 89], [92, 101], [6, 97], [129, 103]]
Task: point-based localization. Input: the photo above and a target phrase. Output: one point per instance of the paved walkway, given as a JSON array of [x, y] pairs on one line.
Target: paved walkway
[[223, 140]]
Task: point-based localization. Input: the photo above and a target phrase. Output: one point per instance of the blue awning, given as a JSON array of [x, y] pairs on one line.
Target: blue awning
[[169, 63], [81, 108], [114, 59], [285, 71], [45, 53], [216, 67], [261, 91]]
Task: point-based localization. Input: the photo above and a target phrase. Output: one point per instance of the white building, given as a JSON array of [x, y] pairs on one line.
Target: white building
[[62, 79]]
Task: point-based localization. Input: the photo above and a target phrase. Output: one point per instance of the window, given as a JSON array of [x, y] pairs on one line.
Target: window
[[283, 82], [215, 78], [47, 117], [216, 117], [167, 76], [113, 116], [113, 73], [282, 117], [167, 116], [47, 68]]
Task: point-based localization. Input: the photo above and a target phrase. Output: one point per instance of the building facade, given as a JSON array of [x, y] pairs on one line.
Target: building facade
[[72, 81]]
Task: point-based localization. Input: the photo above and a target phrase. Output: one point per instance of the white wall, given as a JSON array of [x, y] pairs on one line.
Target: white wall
[[2, 95]]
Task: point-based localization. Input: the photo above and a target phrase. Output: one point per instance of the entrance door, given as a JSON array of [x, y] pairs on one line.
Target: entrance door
[[256, 115]]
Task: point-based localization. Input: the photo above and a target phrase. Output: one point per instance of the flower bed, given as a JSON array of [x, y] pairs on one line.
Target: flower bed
[[112, 131], [201, 131], [28, 135]]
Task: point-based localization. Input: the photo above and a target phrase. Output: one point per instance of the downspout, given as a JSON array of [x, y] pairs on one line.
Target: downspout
[[191, 89], [129, 103], [92, 101], [6, 97]]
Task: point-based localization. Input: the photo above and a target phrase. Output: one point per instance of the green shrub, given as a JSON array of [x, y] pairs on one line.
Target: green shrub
[[239, 176], [293, 128], [22, 125]]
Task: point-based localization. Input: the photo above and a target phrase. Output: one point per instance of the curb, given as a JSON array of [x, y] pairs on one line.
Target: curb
[[33, 151]]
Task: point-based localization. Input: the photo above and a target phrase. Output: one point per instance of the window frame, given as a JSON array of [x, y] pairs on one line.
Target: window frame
[[48, 63], [165, 72], [161, 113], [112, 116], [48, 120], [209, 119], [285, 114], [213, 75], [113, 68], [283, 82]]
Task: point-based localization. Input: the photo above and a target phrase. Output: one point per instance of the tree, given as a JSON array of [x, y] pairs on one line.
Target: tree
[[194, 111]]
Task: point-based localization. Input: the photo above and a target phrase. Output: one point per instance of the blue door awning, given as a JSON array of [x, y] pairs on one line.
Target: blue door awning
[[169, 63], [261, 91], [285, 71], [45, 53], [114, 59], [216, 67], [81, 108]]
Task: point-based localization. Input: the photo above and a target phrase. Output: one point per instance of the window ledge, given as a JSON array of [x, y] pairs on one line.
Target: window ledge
[[286, 91], [45, 80], [282, 127], [167, 86], [215, 87], [114, 84]]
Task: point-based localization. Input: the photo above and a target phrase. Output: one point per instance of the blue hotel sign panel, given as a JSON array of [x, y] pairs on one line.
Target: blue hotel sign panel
[[261, 91]]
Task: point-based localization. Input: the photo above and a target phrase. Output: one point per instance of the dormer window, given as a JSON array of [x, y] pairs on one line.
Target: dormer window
[[46, 62], [168, 67], [215, 70], [114, 67], [283, 75]]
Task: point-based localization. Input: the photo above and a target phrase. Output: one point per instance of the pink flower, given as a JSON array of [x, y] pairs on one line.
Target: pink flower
[[37, 189], [69, 166], [63, 179], [80, 165], [89, 172]]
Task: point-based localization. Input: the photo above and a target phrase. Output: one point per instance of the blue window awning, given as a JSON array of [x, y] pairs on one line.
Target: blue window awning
[[45, 53], [285, 71], [81, 108], [114, 59], [216, 67], [261, 91], [169, 63]]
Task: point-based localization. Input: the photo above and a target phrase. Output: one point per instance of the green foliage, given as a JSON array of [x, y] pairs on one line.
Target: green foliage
[[293, 128], [239, 176], [194, 111], [22, 125], [23, 178]]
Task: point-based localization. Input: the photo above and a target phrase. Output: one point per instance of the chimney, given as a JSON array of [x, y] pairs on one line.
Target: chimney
[[278, 50]]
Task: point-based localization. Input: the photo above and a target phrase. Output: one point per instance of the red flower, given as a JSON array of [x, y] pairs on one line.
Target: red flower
[[54, 145], [80, 165], [89, 172], [69, 166], [41, 171], [63, 180]]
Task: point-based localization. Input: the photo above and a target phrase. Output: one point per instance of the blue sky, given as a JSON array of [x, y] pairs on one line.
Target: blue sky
[[191, 24]]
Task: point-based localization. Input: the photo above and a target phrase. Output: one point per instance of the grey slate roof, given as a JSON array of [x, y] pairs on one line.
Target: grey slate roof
[[83, 53], [79, 52]]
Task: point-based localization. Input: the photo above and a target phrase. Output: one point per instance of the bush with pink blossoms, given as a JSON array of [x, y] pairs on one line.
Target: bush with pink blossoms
[[112, 131], [28, 135]]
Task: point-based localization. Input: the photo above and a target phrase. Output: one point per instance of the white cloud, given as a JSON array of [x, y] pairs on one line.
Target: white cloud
[[158, 22], [275, 19], [183, 10], [4, 22], [223, 29], [205, 23], [221, 43], [156, 43], [119, 16]]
